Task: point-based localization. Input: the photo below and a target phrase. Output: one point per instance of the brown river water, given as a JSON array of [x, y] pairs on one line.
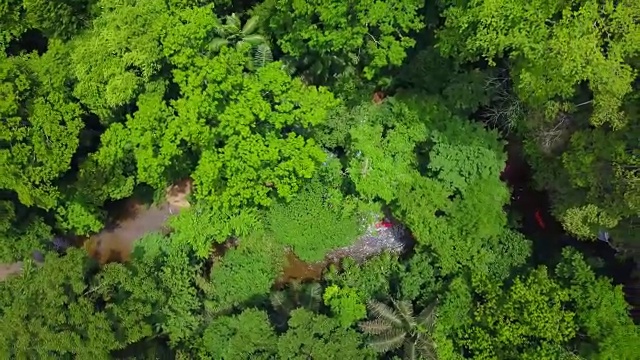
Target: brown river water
[[129, 222], [131, 219]]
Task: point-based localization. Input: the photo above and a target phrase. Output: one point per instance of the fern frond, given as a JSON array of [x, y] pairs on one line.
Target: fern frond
[[262, 56], [295, 286], [388, 341], [374, 327], [385, 312], [427, 317]]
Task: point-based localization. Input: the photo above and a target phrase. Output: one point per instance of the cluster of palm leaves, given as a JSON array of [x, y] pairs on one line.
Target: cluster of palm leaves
[[295, 295], [311, 68], [232, 33], [397, 326]]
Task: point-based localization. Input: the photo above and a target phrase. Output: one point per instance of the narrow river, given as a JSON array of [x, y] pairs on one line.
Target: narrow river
[[132, 219]]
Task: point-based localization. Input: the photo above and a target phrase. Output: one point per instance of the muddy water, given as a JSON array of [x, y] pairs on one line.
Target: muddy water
[[132, 221], [298, 270], [375, 240]]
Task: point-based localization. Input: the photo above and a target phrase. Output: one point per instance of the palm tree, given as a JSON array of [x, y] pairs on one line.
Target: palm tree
[[296, 295], [230, 33], [396, 326]]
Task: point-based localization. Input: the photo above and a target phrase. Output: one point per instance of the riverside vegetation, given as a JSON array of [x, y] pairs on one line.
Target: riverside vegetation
[[298, 125]]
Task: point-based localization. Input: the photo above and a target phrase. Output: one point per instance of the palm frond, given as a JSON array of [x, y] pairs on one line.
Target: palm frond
[[221, 31], [314, 291], [388, 341], [406, 311], [217, 43], [307, 60], [254, 39], [385, 312], [250, 26], [427, 317], [295, 286], [289, 66], [426, 348], [278, 299], [409, 350], [233, 23], [262, 56], [374, 327], [317, 68]]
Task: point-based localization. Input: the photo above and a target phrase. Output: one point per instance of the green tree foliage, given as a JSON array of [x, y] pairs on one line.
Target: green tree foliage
[[601, 312], [368, 34], [41, 125], [11, 22], [569, 62], [597, 187], [241, 136], [545, 316], [104, 99], [202, 226], [319, 337], [310, 226], [372, 279], [397, 326], [345, 304], [50, 312], [527, 321], [248, 335], [262, 154], [121, 53], [462, 88], [420, 280], [554, 46], [20, 234], [154, 294], [57, 19], [232, 34], [244, 275], [296, 295], [382, 149], [406, 150]]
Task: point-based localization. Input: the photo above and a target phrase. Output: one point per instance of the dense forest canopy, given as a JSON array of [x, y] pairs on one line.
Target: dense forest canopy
[[356, 177]]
